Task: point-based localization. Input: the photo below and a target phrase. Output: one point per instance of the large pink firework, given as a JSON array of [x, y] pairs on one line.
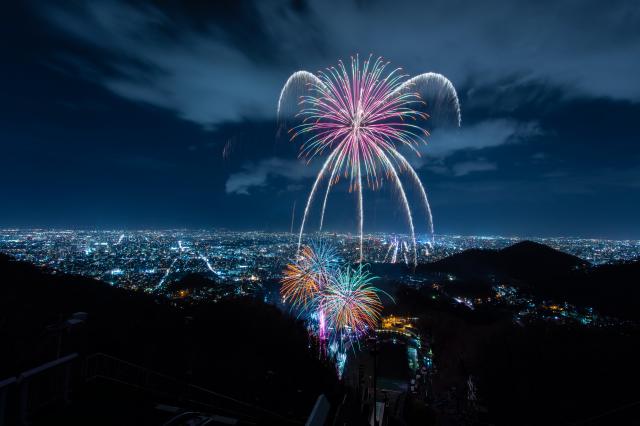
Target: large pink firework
[[361, 118]]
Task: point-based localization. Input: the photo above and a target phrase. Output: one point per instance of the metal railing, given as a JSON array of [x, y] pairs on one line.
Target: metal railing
[[5, 387], [44, 385], [106, 367]]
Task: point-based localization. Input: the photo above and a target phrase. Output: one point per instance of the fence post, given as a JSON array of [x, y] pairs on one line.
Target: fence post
[[23, 403], [4, 390]]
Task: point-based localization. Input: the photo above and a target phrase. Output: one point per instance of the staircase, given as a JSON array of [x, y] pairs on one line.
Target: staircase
[[102, 389], [102, 367]]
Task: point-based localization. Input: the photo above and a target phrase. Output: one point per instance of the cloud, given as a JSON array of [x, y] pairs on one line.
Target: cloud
[[485, 134], [595, 182], [466, 167], [256, 175], [208, 71], [554, 186], [437, 155], [444, 143], [538, 156], [200, 76]]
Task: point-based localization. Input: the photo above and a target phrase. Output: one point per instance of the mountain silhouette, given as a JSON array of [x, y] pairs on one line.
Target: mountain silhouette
[[526, 260], [543, 271]]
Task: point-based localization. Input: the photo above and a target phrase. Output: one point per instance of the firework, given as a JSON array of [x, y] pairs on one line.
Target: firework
[[308, 274], [351, 303], [362, 118], [339, 303], [397, 246]]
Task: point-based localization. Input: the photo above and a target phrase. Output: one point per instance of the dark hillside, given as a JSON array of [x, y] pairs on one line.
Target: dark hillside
[[613, 290], [539, 373], [241, 347]]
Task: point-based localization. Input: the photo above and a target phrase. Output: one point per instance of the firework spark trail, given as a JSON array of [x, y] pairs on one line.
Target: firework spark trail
[[356, 110], [360, 212], [361, 118], [293, 215], [404, 253], [351, 302], [299, 285], [312, 193], [423, 193], [439, 94], [339, 302], [405, 203], [307, 277], [310, 272], [356, 113], [297, 85], [405, 167], [388, 251], [326, 196], [322, 324]]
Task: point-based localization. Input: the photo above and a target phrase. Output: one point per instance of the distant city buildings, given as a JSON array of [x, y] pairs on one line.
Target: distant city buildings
[[151, 260]]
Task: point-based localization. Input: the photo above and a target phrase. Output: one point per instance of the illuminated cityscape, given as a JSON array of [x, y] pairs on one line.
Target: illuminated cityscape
[[251, 263], [147, 260]]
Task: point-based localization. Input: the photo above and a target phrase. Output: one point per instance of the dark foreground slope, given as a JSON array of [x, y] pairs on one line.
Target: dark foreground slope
[[611, 289], [529, 374], [242, 348]]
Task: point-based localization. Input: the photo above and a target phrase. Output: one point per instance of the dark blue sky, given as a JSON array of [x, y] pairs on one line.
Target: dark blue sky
[[115, 114]]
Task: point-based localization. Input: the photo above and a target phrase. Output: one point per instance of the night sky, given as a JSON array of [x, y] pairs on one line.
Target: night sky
[[115, 114]]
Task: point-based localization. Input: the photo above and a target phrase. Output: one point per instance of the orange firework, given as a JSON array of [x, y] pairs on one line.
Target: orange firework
[[307, 275]]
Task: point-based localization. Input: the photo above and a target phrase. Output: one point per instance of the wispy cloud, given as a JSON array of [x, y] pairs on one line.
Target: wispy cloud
[[200, 76], [206, 73], [256, 175], [485, 134], [466, 167]]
